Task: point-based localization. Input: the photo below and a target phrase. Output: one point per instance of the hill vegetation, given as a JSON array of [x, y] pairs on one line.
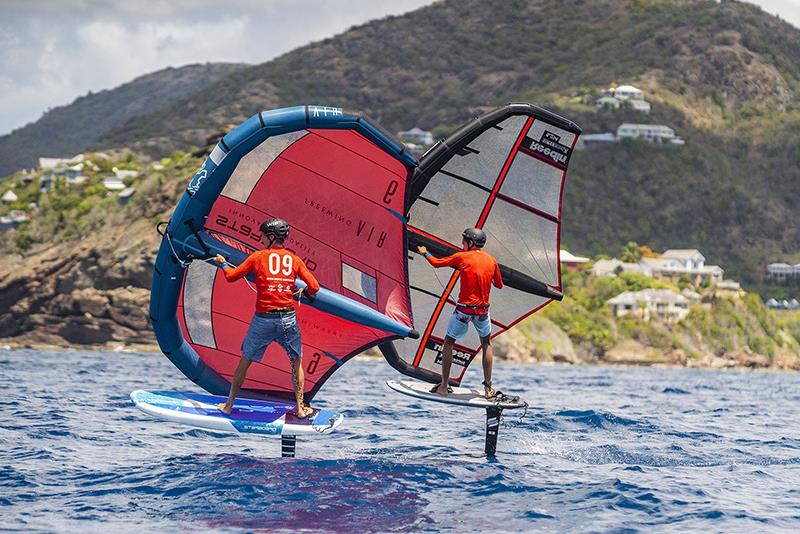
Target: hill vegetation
[[82, 265], [725, 76], [434, 66], [78, 272], [68, 130], [719, 331]]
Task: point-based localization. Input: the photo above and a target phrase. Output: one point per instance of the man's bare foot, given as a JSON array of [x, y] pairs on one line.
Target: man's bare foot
[[441, 389], [488, 392], [304, 411], [224, 408]]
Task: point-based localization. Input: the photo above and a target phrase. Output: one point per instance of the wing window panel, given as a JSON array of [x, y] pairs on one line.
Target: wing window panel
[[534, 183], [524, 241], [197, 290]]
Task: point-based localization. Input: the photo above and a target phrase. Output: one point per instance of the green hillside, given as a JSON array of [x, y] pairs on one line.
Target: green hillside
[[68, 130], [725, 76], [435, 65], [718, 330], [733, 197]]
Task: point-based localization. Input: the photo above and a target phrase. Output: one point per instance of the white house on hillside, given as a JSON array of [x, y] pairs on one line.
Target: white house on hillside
[[694, 264], [673, 265], [624, 95], [626, 92], [54, 163], [417, 136], [652, 133], [648, 132], [113, 183], [663, 304], [684, 263], [690, 258], [782, 271], [9, 197]]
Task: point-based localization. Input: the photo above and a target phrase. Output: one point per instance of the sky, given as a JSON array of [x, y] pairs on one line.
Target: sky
[[53, 51]]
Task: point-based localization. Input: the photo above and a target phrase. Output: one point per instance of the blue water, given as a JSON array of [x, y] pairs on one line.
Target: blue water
[[602, 449]]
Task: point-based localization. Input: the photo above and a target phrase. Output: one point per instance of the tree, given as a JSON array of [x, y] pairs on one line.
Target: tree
[[630, 253]]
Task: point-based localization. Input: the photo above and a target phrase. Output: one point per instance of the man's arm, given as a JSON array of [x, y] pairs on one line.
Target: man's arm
[[497, 278], [306, 276], [448, 261], [235, 273]]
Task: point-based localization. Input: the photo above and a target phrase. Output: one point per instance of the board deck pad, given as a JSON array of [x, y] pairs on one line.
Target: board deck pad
[[248, 416], [460, 396]]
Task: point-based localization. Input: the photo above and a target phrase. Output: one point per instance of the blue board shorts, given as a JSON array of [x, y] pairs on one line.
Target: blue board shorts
[[265, 329], [459, 322]]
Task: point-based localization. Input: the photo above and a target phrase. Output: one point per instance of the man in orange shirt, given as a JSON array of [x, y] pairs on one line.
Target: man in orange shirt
[[275, 269], [478, 271]]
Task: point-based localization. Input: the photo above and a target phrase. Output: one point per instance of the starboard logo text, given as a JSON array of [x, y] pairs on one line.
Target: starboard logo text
[[549, 146]]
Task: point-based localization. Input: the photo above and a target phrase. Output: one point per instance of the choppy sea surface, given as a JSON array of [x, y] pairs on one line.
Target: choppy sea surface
[[600, 450]]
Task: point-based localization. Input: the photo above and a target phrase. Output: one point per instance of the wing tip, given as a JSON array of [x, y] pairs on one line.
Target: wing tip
[[554, 294]]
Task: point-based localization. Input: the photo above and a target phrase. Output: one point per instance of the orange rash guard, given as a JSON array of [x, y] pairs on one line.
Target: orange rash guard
[[275, 270], [478, 270]]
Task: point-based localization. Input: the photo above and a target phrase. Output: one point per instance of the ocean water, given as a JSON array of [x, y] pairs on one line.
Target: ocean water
[[600, 450]]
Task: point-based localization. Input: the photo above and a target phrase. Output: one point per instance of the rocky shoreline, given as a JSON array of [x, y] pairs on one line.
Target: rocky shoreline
[[544, 342], [93, 294], [90, 293]]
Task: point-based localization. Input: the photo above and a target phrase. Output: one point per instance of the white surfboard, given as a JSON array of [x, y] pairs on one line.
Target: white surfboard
[[460, 396], [200, 410]]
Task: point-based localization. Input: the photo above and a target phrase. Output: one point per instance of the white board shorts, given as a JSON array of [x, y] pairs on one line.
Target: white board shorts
[[459, 323]]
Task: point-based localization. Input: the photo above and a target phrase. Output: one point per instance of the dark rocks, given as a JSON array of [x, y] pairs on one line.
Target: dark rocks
[[94, 292]]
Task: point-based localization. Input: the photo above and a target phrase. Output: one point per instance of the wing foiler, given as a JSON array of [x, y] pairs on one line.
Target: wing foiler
[[503, 172], [340, 182]]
